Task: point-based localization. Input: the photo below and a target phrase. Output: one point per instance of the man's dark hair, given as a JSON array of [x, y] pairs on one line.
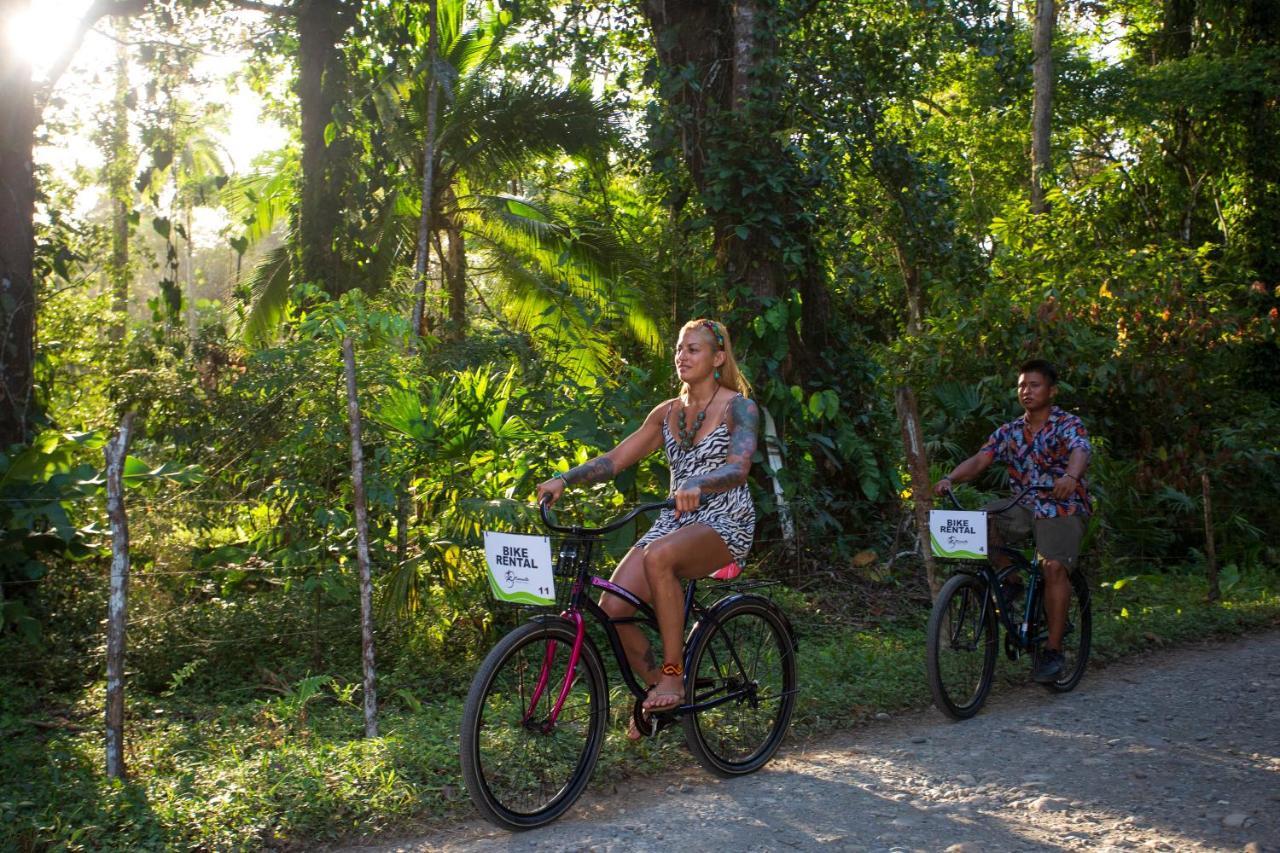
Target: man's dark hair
[[1039, 365]]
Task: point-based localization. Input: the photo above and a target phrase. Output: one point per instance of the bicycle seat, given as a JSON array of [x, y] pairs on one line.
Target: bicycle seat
[[727, 573]]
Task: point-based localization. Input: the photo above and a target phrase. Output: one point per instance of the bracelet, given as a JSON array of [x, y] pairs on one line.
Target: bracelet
[[1072, 476], [561, 476]]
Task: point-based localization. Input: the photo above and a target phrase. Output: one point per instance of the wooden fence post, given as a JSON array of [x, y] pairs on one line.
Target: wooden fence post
[[1215, 591], [918, 466], [118, 603], [362, 545]]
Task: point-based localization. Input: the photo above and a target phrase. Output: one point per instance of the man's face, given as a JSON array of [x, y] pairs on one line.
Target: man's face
[[1035, 392]]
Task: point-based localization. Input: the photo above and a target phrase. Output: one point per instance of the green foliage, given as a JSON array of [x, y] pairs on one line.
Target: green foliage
[[285, 766], [589, 198]]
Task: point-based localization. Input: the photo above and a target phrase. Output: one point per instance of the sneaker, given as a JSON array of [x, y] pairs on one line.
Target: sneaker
[[1049, 666]]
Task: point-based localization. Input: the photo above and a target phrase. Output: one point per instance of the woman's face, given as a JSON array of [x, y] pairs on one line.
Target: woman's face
[[697, 355]]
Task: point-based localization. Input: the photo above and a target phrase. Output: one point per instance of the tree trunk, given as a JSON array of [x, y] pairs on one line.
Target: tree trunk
[[1177, 19], [915, 293], [118, 602], [1210, 554], [1042, 101], [402, 521], [362, 545], [721, 94], [321, 26], [455, 271], [17, 238], [1261, 228], [428, 175], [120, 168], [192, 321], [918, 465]]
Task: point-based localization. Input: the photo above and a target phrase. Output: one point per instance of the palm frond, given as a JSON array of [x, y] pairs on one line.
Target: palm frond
[[262, 200], [566, 328], [584, 259], [394, 241], [268, 296], [493, 128]]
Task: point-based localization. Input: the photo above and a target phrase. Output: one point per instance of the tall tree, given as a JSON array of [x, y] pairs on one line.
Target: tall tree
[[428, 173], [320, 27], [722, 87], [1042, 100], [1260, 34], [21, 104], [18, 119], [120, 164]]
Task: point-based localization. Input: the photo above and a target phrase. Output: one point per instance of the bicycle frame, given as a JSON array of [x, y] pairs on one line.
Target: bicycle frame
[[575, 558], [1023, 635]]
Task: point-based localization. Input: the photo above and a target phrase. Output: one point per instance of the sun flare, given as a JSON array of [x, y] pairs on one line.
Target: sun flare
[[38, 34]]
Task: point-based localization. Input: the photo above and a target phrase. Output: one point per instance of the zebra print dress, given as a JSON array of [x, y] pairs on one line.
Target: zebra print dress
[[730, 514]]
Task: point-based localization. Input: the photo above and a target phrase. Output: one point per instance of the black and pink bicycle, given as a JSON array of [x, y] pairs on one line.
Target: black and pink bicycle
[[536, 714]]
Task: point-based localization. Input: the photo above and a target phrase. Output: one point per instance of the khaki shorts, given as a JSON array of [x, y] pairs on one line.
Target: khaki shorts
[[1056, 538]]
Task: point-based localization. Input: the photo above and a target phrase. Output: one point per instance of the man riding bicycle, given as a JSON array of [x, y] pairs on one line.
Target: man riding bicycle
[[1050, 448]]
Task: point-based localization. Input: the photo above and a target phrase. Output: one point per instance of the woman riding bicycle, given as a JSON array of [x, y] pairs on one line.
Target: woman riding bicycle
[[709, 434]]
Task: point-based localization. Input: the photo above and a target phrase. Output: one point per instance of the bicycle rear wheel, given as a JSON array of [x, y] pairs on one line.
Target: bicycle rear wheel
[[744, 654], [960, 650], [521, 770], [1078, 637]]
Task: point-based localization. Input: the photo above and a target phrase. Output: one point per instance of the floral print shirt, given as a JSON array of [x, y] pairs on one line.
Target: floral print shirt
[[1041, 459]]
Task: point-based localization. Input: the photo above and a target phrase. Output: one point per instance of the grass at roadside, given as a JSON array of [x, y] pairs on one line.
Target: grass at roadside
[[230, 772]]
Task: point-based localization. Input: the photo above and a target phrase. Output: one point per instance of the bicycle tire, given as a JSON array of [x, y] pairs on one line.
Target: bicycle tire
[[744, 640], [520, 776], [960, 646], [1077, 640]]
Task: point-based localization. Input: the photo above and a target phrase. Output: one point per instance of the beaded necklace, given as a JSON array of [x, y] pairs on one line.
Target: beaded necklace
[[687, 435]]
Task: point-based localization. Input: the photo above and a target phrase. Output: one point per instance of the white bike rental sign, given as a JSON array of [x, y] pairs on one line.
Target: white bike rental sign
[[520, 569], [958, 534]]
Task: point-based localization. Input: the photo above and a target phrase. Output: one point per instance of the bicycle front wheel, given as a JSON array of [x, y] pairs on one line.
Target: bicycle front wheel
[[961, 647], [744, 656], [521, 768]]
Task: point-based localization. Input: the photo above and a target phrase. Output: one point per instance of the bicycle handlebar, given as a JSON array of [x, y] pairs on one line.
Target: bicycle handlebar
[[669, 503], [1013, 500]]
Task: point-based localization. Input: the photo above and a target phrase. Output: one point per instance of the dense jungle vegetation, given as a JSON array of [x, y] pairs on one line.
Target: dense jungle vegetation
[[511, 208]]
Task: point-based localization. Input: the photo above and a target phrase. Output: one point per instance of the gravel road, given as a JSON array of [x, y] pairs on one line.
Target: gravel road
[[1177, 750]]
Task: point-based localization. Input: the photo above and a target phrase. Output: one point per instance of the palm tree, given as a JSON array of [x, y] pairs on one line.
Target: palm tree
[[489, 130]]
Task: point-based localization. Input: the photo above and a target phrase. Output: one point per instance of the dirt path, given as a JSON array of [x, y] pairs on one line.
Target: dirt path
[[1175, 751]]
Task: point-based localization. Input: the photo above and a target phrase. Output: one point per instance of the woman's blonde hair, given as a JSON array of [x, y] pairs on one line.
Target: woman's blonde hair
[[730, 376]]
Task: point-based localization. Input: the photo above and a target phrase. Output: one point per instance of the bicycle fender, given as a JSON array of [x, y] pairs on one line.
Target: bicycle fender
[[551, 618], [728, 600]]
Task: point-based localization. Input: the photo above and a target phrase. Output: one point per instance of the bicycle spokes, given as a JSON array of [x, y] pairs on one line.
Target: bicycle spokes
[[961, 646], [532, 737], [741, 678]]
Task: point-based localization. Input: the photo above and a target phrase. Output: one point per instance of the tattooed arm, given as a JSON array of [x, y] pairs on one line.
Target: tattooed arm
[[744, 423], [629, 451]]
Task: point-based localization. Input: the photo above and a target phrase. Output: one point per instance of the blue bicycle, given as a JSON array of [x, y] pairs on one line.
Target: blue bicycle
[[962, 637]]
